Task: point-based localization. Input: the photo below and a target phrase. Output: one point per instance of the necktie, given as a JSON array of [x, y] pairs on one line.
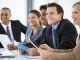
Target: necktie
[[54, 37], [8, 32]]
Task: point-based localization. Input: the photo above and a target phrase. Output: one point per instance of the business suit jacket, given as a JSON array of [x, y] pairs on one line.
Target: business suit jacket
[[36, 38], [17, 28], [66, 35]]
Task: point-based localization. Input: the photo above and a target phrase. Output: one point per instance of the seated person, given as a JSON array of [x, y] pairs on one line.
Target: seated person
[[34, 31], [12, 28], [47, 52], [43, 19], [61, 33]]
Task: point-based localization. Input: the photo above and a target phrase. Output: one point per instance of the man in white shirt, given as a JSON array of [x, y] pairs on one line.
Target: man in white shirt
[[12, 28]]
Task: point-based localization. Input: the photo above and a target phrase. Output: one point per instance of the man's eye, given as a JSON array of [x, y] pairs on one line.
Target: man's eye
[[1, 14], [6, 14]]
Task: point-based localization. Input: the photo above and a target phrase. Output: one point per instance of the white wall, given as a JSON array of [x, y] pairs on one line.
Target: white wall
[[18, 8], [66, 4], [38, 3]]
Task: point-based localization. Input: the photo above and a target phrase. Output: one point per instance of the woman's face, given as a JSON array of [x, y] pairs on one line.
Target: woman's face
[[33, 19], [76, 15]]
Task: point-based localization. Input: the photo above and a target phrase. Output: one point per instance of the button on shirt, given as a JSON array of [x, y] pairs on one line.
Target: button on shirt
[[10, 29], [54, 27]]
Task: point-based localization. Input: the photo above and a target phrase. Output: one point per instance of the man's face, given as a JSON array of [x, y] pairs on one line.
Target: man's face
[[5, 16], [53, 17], [43, 17], [76, 15]]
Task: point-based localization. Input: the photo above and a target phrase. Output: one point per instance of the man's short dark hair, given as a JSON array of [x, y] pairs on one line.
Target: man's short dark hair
[[59, 8], [6, 8], [36, 12], [43, 7]]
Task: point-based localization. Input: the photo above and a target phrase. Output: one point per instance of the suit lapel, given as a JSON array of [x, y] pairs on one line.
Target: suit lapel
[[58, 33], [49, 35], [13, 29], [2, 31]]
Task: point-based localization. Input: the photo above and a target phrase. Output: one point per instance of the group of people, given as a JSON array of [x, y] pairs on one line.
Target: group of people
[[56, 37], [48, 52]]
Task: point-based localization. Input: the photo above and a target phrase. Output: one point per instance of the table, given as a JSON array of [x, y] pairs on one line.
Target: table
[[18, 56], [22, 58]]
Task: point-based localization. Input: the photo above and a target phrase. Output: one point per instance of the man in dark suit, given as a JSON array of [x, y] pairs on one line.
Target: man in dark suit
[[61, 34], [15, 27]]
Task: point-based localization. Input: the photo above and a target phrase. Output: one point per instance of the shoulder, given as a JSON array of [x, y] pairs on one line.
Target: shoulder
[[15, 21], [66, 24]]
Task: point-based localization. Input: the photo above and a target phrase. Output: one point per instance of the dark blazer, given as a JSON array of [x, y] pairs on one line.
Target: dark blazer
[[66, 35], [17, 28]]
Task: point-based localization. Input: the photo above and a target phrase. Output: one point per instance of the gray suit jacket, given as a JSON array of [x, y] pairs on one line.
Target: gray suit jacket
[[35, 38]]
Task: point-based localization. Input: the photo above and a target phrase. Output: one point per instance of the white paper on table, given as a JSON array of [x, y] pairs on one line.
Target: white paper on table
[[32, 57], [4, 39], [6, 52]]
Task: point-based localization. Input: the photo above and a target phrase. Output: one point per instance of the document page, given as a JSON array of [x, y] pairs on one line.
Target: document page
[[4, 39]]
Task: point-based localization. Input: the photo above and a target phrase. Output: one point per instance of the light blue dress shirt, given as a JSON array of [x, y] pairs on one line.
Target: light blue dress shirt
[[54, 27]]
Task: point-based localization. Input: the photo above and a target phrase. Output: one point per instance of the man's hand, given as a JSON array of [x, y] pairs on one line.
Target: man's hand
[[33, 52], [12, 47], [46, 47], [21, 51], [44, 53]]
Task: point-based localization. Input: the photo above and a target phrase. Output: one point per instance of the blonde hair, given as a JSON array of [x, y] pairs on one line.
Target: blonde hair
[[77, 5]]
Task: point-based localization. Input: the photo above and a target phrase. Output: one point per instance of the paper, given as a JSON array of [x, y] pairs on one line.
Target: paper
[[4, 39], [35, 58], [6, 52], [32, 57]]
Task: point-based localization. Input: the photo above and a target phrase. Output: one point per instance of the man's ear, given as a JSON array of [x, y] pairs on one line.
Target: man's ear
[[10, 15], [61, 14]]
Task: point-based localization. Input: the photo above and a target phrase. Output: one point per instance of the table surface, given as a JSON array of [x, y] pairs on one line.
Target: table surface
[[14, 55]]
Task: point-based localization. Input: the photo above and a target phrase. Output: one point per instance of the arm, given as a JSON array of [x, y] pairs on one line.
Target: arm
[[57, 56], [23, 28], [46, 47]]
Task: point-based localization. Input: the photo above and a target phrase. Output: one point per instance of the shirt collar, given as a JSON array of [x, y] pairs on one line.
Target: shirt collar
[[55, 26], [6, 25]]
